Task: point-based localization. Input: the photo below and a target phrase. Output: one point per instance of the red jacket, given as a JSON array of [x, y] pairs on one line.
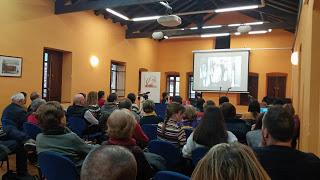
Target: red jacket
[[139, 135]]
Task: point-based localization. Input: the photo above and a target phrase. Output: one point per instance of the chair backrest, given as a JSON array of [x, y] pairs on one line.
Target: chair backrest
[[31, 130], [170, 175], [198, 154], [160, 109], [56, 166], [150, 130], [167, 150], [77, 125]]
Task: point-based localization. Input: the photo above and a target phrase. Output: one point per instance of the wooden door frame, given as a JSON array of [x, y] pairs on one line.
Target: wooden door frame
[[276, 74]]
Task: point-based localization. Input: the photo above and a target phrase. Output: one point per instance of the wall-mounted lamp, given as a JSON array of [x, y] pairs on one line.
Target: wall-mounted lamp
[[295, 58], [94, 61]]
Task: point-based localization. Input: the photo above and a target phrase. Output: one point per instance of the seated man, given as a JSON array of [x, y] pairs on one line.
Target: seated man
[[277, 157], [237, 126], [109, 162], [33, 96], [13, 117], [78, 109]]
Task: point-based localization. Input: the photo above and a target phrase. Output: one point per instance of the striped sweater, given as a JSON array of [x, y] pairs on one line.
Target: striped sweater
[[173, 133]]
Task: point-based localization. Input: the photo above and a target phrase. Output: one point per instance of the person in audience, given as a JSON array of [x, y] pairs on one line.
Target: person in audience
[[254, 136], [109, 162], [92, 103], [209, 132], [121, 125], [56, 137], [79, 110], [296, 120], [278, 158], [237, 126], [229, 161], [169, 130], [253, 111], [223, 99], [138, 133], [84, 95], [32, 117], [165, 98], [208, 103], [33, 96], [199, 105], [13, 117], [25, 96], [110, 105], [101, 100], [189, 117], [135, 107], [150, 116], [177, 99]]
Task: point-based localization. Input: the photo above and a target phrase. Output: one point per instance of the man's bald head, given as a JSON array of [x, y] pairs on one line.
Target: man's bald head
[[109, 162], [79, 100]]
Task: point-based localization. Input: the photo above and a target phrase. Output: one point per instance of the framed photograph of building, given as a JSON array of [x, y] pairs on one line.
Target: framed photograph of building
[[10, 66]]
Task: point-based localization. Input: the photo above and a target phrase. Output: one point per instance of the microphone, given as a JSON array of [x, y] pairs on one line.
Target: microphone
[[220, 91], [228, 91]]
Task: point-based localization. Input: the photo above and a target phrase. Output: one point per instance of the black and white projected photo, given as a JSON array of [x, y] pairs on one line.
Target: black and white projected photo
[[221, 69]]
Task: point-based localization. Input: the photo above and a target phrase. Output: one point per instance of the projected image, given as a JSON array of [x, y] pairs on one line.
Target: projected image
[[221, 71]]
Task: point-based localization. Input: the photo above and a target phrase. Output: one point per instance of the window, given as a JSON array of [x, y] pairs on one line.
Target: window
[[173, 85], [117, 78], [45, 75], [191, 92]]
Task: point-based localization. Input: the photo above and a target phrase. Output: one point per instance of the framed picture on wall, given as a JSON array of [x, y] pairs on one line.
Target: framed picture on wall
[[10, 66]]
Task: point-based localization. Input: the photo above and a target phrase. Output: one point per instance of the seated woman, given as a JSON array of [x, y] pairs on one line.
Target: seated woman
[[149, 115], [254, 136], [189, 117], [56, 137], [121, 124], [169, 130], [92, 103], [32, 118], [253, 112], [229, 161], [210, 131]]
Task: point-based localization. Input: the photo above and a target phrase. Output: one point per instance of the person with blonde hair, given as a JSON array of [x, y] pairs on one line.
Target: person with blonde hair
[[121, 124], [189, 117], [229, 161]]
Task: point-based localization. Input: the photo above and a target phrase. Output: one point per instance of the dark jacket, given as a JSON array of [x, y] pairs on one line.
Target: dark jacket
[[108, 108], [152, 119], [14, 115], [239, 128], [283, 163], [145, 171], [76, 111]]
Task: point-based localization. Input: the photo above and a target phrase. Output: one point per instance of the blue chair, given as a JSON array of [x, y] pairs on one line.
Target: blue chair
[[169, 175], [56, 166], [31, 130], [150, 130], [198, 154], [167, 150], [78, 126], [160, 109], [188, 132]]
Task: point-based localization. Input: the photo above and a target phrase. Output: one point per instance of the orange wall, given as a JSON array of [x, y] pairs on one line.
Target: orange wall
[[306, 87], [27, 27], [176, 55]]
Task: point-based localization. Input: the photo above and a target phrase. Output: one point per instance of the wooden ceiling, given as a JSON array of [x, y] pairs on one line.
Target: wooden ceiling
[[277, 14]]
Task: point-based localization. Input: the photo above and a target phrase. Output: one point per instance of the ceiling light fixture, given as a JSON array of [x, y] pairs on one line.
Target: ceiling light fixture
[[148, 18], [254, 23], [194, 28], [214, 35], [237, 33], [211, 27], [270, 30], [165, 37], [240, 8], [258, 32], [117, 14], [234, 25]]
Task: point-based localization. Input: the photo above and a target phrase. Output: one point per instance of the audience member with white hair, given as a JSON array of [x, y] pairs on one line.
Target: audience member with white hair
[[13, 117]]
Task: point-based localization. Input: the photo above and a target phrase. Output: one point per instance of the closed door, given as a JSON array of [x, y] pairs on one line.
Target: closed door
[[52, 76], [276, 86], [253, 81]]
